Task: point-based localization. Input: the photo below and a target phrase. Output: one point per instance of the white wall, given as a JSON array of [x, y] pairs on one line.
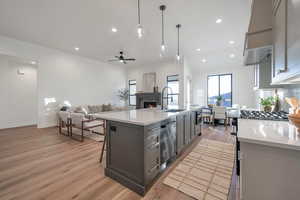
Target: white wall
[[18, 100], [162, 70], [242, 88], [67, 77], [187, 77]]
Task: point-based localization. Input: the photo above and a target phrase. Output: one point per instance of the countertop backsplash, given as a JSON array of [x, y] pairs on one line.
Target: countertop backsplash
[[286, 91]]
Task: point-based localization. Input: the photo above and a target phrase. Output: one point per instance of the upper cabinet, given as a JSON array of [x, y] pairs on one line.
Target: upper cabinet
[[286, 42], [258, 41], [262, 74]]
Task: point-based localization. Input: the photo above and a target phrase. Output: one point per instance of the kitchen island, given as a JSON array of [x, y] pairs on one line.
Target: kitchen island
[[142, 143], [269, 156]]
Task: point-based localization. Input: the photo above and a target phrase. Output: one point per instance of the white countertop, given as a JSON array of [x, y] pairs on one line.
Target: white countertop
[[141, 117], [271, 133]]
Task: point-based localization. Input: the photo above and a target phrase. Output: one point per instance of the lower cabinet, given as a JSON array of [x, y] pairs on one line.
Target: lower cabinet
[[180, 133], [133, 154], [269, 172], [185, 130]]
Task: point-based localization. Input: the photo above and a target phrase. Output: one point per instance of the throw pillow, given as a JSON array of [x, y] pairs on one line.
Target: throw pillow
[[93, 109], [99, 108], [80, 109], [106, 108]]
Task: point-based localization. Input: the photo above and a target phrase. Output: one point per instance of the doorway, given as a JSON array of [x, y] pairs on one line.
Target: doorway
[[18, 89]]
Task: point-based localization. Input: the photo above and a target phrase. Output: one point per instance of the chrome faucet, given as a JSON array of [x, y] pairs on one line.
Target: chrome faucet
[[163, 97]]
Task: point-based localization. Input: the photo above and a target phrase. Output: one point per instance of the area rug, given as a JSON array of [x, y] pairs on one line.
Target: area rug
[[205, 173]]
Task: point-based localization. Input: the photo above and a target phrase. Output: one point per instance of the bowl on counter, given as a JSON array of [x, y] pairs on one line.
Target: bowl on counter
[[295, 120]]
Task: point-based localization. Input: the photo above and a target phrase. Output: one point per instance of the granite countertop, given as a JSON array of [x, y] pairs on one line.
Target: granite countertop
[[271, 133], [143, 117]]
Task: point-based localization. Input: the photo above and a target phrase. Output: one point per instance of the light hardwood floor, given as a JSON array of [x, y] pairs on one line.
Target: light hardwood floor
[[41, 164]]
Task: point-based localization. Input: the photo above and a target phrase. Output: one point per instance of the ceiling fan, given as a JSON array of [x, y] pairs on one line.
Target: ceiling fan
[[121, 58]]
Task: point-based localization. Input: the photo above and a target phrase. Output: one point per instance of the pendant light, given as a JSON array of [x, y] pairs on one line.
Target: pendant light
[[178, 57], [163, 46], [140, 30]]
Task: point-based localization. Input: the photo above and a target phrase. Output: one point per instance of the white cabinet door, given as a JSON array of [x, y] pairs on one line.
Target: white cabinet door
[[293, 36], [286, 39], [279, 39]]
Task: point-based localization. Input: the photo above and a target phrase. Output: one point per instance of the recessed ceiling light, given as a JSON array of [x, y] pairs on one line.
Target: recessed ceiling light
[[198, 49], [33, 62], [204, 60], [76, 48], [114, 30], [219, 20], [231, 42], [232, 56]]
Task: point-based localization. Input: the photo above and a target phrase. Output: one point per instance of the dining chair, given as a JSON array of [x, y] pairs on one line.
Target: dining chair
[[206, 115], [219, 113]]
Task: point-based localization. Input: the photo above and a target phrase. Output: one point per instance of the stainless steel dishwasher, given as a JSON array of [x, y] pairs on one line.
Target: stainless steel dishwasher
[[167, 140]]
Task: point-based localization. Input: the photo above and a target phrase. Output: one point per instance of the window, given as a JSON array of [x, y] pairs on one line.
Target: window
[[132, 91], [173, 83], [219, 85]]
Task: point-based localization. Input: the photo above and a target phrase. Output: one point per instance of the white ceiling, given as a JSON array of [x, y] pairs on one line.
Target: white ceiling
[[64, 24]]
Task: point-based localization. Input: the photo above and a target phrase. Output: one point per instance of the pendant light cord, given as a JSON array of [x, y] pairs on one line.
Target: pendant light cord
[[162, 27], [139, 13], [178, 26]]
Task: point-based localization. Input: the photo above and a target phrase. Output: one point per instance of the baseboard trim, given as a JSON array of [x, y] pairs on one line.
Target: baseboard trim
[[17, 127], [139, 189]]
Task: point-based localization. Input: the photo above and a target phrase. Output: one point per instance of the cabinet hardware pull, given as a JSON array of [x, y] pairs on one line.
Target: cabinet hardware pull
[[113, 128]]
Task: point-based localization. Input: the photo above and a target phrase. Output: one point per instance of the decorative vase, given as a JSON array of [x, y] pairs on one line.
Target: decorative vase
[[218, 103]]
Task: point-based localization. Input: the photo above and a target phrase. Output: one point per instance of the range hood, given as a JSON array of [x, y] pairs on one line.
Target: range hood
[[258, 39]]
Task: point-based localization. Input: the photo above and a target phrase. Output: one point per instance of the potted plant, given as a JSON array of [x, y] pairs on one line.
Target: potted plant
[[219, 100], [123, 94], [267, 103]]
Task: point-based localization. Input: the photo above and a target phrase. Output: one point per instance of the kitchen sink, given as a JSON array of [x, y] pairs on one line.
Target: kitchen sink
[[174, 110]]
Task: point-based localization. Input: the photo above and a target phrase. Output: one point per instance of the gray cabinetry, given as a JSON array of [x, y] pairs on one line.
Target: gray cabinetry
[[136, 154], [133, 154], [193, 123], [180, 133], [279, 38], [269, 173], [187, 127], [293, 37], [127, 155], [286, 42], [185, 130]]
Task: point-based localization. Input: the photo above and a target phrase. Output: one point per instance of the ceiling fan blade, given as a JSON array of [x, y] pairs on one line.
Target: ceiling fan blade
[[117, 57], [130, 59], [124, 62], [113, 60]]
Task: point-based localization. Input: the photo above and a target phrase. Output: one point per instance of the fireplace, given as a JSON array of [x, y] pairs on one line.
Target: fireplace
[[147, 100], [148, 104]]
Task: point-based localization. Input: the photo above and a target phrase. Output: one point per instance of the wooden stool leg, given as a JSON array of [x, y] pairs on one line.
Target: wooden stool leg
[[82, 123], [60, 125], [103, 147]]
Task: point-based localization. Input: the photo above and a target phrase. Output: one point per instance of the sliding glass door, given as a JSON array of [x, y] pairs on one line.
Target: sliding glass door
[[219, 86]]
